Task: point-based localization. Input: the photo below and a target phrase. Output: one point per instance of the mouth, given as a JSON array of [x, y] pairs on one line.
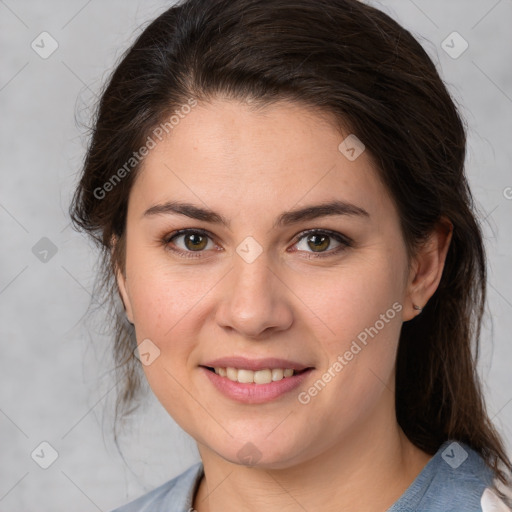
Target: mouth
[[255, 381], [265, 376]]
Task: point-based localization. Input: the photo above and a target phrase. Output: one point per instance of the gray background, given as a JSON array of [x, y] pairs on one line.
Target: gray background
[[57, 384]]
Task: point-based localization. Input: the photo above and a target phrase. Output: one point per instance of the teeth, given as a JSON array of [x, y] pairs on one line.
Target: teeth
[[277, 374], [258, 377]]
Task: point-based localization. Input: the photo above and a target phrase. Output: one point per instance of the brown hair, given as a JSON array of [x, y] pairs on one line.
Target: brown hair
[[353, 61]]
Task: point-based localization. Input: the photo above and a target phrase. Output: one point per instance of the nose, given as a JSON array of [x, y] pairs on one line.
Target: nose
[[254, 302]]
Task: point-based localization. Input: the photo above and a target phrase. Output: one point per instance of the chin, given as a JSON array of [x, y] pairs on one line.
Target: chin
[[260, 453]]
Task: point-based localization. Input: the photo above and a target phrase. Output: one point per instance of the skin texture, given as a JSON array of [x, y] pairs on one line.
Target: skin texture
[[344, 449]]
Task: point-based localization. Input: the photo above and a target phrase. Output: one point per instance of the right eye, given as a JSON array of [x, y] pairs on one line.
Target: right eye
[[185, 242]]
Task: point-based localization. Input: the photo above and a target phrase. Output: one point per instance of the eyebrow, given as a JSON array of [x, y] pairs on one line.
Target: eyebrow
[[331, 208]]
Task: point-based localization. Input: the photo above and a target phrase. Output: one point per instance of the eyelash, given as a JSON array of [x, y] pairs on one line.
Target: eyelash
[[343, 240]]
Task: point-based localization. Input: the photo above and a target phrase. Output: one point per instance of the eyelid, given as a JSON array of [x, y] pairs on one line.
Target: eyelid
[[168, 237], [333, 234], [166, 240], [342, 239]]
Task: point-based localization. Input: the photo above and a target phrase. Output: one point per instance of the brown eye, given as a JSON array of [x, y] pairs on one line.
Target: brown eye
[[320, 243], [195, 241], [188, 241], [316, 242]]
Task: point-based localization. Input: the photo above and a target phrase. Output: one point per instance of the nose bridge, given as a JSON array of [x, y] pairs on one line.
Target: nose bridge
[[253, 280], [254, 299]]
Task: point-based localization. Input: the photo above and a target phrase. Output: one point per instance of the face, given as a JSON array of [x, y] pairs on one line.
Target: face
[[254, 276]]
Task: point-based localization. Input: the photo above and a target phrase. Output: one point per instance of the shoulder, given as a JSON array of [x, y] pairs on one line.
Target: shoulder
[[455, 479], [175, 495]]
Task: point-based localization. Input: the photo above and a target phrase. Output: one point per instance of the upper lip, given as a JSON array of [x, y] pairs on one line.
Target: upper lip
[[243, 363]]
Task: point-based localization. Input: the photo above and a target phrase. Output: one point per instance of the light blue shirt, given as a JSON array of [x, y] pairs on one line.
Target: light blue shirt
[[453, 480]]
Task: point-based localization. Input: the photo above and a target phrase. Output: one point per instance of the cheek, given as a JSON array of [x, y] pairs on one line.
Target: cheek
[[169, 308], [362, 309], [162, 296], [362, 312], [356, 298], [166, 312]]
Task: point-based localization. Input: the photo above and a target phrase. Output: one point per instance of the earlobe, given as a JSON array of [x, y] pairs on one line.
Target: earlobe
[[427, 269], [123, 293], [122, 285]]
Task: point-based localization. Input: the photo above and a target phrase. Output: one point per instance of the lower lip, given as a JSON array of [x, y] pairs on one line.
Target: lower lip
[[255, 393]]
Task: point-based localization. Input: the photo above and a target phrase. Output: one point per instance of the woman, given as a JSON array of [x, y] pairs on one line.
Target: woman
[[278, 190]]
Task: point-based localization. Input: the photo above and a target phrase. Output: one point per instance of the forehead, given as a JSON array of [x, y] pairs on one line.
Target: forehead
[[230, 153]]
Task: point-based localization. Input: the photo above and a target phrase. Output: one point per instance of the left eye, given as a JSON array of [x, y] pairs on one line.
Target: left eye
[[320, 241]]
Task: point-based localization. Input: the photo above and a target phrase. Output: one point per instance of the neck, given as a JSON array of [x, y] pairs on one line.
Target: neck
[[369, 469]]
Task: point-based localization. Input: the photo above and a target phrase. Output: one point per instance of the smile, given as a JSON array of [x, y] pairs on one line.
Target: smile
[[265, 376], [254, 386]]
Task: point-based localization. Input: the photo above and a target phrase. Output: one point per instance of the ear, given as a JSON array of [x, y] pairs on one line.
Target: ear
[[122, 284], [427, 268]]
